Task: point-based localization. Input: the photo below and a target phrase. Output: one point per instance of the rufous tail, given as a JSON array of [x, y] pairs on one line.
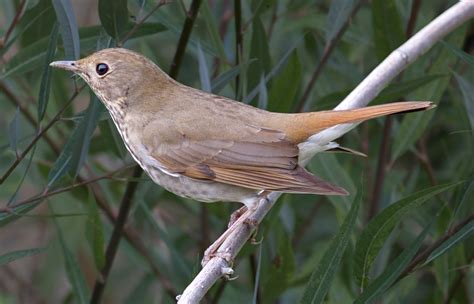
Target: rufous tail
[[299, 127]]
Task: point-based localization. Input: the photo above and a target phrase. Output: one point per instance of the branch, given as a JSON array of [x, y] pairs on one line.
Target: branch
[[367, 90]]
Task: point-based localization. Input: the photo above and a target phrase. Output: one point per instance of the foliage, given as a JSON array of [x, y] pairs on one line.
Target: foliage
[[63, 168]]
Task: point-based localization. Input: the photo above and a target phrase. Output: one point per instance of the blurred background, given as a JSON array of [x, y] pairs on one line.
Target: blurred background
[[64, 169]]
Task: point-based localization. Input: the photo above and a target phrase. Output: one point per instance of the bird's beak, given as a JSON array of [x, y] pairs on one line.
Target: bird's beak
[[66, 65]]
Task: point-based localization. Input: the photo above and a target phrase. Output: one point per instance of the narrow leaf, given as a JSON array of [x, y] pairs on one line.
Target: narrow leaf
[[321, 279], [68, 27], [391, 273], [339, 12], [285, 85], [222, 80], [467, 90], [46, 77], [398, 90], [259, 50], [14, 131], [387, 27], [203, 71], [276, 69], [113, 15], [469, 59], [414, 125], [76, 149], [95, 234], [452, 241], [262, 94], [379, 228], [14, 213], [32, 57], [212, 28], [19, 254], [74, 274]]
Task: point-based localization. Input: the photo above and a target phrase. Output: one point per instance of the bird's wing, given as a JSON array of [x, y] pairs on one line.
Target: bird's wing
[[263, 161]]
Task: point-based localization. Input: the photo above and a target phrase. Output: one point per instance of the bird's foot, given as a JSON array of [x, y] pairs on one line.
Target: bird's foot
[[236, 215]]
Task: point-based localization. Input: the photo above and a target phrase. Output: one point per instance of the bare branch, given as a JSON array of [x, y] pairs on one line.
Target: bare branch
[[367, 90]]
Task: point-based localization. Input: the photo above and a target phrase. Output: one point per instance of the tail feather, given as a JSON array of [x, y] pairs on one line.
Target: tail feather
[[304, 125]]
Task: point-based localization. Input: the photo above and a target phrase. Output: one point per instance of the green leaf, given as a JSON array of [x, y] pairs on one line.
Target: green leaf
[[414, 125], [391, 273], [113, 16], [30, 21], [469, 59], [387, 27], [223, 79], [179, 265], [398, 90], [379, 228], [32, 57], [76, 148], [262, 93], [339, 12], [74, 274], [322, 277], [95, 234], [14, 213], [329, 168], [14, 131], [68, 27], [285, 86], [26, 60], [212, 29], [275, 70], [203, 71], [452, 241], [467, 90], [281, 271], [45, 86], [259, 50], [19, 254]]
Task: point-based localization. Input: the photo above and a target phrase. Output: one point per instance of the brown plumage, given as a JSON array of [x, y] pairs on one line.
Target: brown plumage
[[205, 146]]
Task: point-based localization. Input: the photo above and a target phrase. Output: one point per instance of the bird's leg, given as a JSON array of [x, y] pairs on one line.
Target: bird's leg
[[241, 216], [211, 251]]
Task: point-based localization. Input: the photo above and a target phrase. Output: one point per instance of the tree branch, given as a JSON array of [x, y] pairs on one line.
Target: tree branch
[[367, 90]]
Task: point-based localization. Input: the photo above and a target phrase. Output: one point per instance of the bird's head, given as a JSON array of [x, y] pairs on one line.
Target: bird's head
[[114, 73]]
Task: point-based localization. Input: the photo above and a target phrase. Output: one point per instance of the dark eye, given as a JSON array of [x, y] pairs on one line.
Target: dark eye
[[101, 69]]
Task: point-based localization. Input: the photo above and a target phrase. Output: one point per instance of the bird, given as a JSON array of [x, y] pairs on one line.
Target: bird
[[207, 147]]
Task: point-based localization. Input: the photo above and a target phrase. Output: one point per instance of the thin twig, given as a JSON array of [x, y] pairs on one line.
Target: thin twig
[[38, 137], [183, 39], [14, 22], [457, 282], [139, 23], [325, 57], [43, 195], [366, 91], [29, 116], [421, 257], [114, 242]]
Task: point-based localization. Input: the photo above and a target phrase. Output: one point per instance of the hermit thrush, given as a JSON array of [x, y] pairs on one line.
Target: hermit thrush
[[208, 147]]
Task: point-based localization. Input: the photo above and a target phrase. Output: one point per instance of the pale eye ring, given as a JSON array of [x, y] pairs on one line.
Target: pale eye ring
[[101, 69]]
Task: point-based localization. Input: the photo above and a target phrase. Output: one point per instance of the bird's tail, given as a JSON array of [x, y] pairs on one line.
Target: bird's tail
[[304, 125]]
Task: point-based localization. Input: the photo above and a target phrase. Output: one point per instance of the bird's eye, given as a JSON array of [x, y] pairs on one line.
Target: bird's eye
[[101, 69]]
